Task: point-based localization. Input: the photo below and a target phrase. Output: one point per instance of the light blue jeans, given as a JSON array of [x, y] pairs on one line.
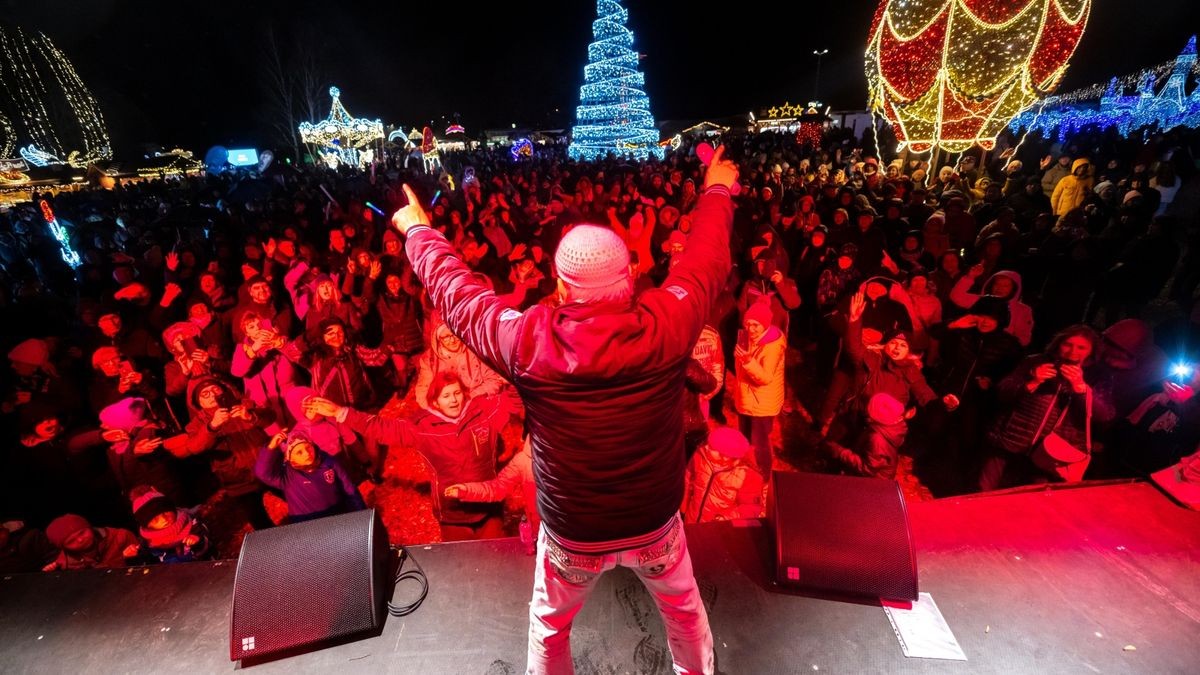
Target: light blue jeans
[[563, 580]]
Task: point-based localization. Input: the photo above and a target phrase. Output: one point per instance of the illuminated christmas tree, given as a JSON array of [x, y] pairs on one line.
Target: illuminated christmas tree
[[614, 111]]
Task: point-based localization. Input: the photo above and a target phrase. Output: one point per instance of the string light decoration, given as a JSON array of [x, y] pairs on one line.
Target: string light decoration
[[951, 74], [614, 111], [340, 138], [47, 104], [8, 137], [1149, 106], [523, 147], [69, 255]]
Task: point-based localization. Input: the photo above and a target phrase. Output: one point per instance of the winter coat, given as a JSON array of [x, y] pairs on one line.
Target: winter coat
[[760, 378], [518, 472], [400, 317], [1020, 323], [341, 375], [232, 447], [1053, 175], [1072, 191], [477, 378], [108, 552], [968, 354], [602, 383], [265, 378], [460, 450], [721, 490], [1015, 430], [876, 373], [159, 468], [324, 491]]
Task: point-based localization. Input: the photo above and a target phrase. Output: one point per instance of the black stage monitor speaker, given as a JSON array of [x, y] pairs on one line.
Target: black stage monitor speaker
[[307, 583], [842, 534]]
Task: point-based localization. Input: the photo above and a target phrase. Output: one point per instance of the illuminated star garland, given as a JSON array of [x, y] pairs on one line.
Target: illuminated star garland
[[614, 111], [950, 74], [340, 138], [69, 255], [1170, 107], [42, 90]]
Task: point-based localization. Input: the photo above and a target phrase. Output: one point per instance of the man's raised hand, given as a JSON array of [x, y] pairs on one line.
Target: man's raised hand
[[411, 214]]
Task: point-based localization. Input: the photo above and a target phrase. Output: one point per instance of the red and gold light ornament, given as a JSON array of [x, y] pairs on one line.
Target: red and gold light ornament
[[952, 73]]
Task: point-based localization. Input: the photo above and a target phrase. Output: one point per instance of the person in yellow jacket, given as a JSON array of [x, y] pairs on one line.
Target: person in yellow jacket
[[1073, 189], [758, 365]]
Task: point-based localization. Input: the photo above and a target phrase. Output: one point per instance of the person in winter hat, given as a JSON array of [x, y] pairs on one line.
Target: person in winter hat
[[888, 368], [227, 430], [141, 451], [81, 546], [1074, 189], [1131, 365], [601, 375], [1005, 285], [170, 534], [722, 485], [313, 484], [877, 447], [759, 367]]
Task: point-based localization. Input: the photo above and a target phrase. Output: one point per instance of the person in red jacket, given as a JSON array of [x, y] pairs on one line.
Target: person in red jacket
[[458, 436], [602, 378]]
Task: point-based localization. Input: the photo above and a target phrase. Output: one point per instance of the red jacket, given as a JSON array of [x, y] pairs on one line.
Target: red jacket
[[602, 383], [460, 450]]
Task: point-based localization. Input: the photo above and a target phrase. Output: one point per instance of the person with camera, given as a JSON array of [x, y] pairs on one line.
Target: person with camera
[[1048, 394], [190, 360], [228, 431], [266, 373]]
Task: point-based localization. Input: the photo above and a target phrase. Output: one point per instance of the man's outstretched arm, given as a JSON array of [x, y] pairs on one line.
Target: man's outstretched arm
[[471, 309]]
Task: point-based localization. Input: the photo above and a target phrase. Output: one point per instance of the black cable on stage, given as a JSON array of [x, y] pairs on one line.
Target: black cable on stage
[[417, 575]]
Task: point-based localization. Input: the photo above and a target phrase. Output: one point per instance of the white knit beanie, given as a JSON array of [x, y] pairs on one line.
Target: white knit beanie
[[591, 257]]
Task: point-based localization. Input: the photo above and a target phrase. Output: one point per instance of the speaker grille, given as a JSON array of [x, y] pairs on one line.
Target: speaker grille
[[304, 583], [842, 534]]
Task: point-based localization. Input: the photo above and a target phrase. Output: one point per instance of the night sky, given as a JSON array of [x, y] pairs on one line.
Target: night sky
[[186, 73]]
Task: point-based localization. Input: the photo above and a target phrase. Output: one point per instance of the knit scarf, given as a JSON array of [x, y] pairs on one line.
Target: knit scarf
[[171, 535]]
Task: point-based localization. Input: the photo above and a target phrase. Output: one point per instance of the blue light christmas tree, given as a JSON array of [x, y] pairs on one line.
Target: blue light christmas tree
[[614, 111]]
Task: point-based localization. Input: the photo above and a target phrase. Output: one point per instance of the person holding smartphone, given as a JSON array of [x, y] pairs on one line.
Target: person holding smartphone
[[758, 366]]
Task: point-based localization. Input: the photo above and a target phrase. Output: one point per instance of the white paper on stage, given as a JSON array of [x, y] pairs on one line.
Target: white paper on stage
[[923, 632]]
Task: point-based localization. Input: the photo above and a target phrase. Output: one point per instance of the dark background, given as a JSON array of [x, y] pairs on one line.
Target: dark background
[[187, 73]]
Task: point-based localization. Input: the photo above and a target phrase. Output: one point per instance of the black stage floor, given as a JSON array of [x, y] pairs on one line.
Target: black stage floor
[[1050, 581]]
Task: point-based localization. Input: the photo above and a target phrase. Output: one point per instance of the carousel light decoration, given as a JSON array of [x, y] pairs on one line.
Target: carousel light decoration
[[48, 105], [951, 74], [614, 111], [69, 255], [1166, 108], [455, 129], [341, 139]]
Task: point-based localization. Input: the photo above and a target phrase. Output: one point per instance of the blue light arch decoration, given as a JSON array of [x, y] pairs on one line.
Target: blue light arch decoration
[[1167, 108], [614, 110]]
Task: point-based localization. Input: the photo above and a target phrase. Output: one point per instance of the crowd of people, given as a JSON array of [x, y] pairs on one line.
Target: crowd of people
[[1006, 319]]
